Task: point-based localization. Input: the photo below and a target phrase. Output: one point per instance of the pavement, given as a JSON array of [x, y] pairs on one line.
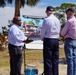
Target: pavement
[[37, 44]]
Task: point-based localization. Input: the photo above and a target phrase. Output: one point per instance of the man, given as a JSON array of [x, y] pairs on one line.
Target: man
[[69, 34], [50, 35], [16, 41]]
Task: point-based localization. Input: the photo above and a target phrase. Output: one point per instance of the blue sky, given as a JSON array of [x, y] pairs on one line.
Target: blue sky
[[45, 3], [7, 13], [59, 2]]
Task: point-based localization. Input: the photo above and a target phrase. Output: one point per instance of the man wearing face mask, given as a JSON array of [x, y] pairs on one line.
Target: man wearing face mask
[[50, 35], [16, 40]]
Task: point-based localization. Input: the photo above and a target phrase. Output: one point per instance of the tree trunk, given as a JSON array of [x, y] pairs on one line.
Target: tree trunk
[[17, 8]]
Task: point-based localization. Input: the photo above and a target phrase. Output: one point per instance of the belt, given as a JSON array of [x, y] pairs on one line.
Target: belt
[[69, 39], [52, 38], [14, 45]]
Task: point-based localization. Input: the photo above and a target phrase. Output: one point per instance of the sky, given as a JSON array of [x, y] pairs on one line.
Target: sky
[[7, 12]]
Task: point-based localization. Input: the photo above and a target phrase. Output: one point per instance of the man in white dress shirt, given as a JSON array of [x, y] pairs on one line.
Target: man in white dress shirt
[[16, 40], [50, 35]]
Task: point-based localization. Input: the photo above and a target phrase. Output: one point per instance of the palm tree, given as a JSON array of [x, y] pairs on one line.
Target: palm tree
[[37, 21], [18, 4]]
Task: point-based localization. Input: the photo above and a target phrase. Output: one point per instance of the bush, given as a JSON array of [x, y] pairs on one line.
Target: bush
[[2, 42]]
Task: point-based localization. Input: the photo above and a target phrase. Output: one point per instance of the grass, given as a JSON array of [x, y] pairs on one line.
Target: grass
[[4, 59], [61, 54], [31, 57]]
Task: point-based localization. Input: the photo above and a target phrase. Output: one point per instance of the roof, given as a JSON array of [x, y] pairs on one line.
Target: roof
[[34, 17]]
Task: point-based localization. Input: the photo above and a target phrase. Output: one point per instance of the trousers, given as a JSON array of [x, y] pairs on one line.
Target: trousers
[[15, 54], [70, 53], [51, 56]]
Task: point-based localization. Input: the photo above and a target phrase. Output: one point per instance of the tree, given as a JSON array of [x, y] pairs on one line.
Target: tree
[[4, 30], [18, 4], [2, 42], [60, 11], [30, 23], [64, 6], [37, 21]]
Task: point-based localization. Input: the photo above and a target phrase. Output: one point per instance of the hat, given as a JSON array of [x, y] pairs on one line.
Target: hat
[[50, 8], [72, 9]]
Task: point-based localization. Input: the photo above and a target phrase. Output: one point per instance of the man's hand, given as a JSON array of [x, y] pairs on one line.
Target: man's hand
[[27, 40]]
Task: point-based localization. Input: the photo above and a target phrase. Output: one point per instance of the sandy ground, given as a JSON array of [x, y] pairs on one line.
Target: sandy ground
[[62, 69], [39, 64]]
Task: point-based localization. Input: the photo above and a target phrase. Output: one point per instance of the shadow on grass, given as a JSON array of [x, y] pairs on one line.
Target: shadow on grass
[[62, 61]]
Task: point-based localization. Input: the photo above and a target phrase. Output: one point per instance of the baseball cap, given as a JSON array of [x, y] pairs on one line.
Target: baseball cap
[[50, 8], [72, 9]]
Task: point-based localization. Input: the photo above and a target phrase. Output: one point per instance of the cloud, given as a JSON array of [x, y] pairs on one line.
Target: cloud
[[33, 11], [7, 13], [42, 4]]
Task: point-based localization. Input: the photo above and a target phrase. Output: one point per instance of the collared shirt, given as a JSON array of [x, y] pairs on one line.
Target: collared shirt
[[69, 30], [16, 36], [50, 27]]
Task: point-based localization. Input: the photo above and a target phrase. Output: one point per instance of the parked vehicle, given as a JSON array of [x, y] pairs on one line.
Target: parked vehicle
[[31, 30]]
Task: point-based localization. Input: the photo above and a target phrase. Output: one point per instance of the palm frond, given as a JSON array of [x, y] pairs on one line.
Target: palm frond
[[22, 3], [9, 1], [32, 2], [2, 3]]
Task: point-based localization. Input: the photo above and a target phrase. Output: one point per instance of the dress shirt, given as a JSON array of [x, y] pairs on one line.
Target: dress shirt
[[16, 36], [50, 27], [69, 30]]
